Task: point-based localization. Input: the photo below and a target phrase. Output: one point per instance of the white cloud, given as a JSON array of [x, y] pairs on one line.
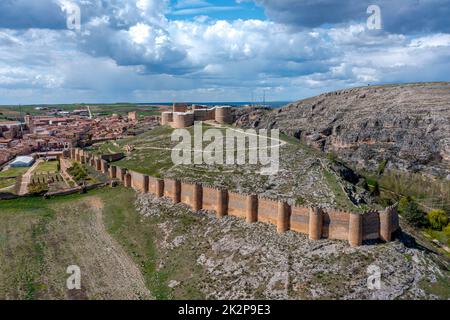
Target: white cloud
[[139, 54], [139, 33]]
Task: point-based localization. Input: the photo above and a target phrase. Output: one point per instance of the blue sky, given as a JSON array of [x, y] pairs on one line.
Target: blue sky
[[203, 50], [222, 9]]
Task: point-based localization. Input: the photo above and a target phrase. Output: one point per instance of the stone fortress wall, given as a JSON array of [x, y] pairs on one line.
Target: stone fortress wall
[[316, 222], [182, 117]]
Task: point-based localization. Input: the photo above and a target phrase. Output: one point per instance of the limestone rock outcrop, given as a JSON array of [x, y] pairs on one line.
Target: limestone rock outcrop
[[407, 126]]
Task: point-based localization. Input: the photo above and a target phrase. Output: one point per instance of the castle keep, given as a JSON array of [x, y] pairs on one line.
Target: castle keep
[[316, 222], [182, 117]]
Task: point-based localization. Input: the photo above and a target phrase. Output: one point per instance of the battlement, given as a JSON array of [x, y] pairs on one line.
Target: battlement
[[317, 223], [183, 117]]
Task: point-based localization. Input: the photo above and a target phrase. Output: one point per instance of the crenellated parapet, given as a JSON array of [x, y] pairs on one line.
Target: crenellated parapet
[[182, 117], [317, 223]]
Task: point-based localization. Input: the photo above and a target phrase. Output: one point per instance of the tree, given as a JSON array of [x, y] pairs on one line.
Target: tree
[[413, 214], [438, 219]]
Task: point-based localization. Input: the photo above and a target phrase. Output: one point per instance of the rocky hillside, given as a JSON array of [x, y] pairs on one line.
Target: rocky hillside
[[230, 259], [407, 126]]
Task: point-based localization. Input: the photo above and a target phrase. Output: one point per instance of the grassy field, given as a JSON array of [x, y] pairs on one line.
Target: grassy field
[[39, 239], [13, 172], [46, 167], [116, 249], [8, 178], [8, 112]]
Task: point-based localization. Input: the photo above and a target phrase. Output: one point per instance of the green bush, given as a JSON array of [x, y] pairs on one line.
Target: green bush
[[438, 219], [447, 231], [78, 172], [403, 203], [38, 188], [381, 167], [332, 156], [413, 214]]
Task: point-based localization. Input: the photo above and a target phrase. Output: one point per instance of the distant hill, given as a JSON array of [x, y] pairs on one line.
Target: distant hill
[[406, 126]]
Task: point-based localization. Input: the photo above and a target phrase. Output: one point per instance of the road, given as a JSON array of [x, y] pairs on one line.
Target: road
[[26, 178]]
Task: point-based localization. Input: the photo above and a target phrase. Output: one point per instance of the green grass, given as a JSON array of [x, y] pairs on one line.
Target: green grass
[[138, 239], [440, 288], [32, 230], [13, 172], [6, 183], [14, 112], [439, 235], [139, 236], [341, 198], [46, 167]]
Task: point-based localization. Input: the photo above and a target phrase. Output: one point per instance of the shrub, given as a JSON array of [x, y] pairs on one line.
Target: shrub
[[375, 188], [438, 219], [413, 214], [38, 188], [332, 157], [447, 231], [381, 167], [403, 203]]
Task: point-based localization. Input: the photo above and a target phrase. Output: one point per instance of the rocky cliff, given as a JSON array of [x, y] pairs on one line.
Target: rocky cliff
[[406, 127]]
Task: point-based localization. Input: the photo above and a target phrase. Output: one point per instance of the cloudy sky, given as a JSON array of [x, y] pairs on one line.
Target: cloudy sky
[[205, 50]]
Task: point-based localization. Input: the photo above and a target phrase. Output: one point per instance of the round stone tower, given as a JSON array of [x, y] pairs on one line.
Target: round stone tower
[[166, 117], [223, 115]]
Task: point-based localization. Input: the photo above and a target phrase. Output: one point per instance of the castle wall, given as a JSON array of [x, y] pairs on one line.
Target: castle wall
[[388, 223], [204, 114], [371, 225], [267, 210], [180, 107], [172, 190], [113, 172], [180, 117], [300, 219], [210, 198], [237, 205], [113, 157], [182, 120], [223, 115], [222, 203], [335, 225], [166, 118], [355, 234], [317, 223], [127, 181], [156, 186], [139, 181], [283, 217], [104, 166], [252, 208], [121, 172], [192, 195]]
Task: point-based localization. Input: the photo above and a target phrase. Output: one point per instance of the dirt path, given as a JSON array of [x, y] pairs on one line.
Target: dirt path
[[26, 178], [107, 267]]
